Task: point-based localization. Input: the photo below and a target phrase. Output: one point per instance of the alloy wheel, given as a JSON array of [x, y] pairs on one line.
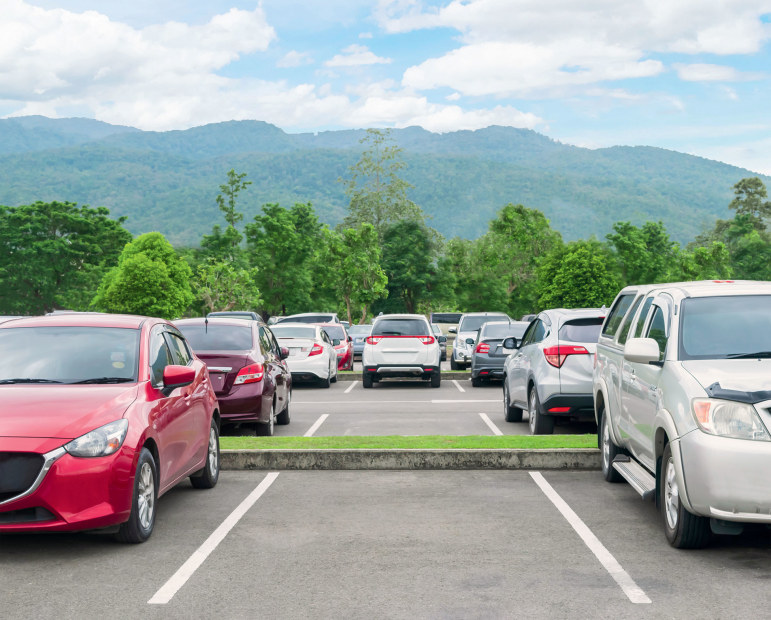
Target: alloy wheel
[[671, 495], [531, 411], [213, 451], [146, 496]]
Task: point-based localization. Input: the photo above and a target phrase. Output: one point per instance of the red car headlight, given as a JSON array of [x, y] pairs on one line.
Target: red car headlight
[[102, 441]]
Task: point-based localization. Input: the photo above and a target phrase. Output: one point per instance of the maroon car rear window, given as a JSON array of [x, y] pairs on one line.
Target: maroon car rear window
[[218, 337]]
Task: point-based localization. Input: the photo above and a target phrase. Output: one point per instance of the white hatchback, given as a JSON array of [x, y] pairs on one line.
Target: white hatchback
[[401, 345]]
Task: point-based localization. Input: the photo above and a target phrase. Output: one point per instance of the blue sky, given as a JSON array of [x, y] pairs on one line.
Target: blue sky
[[687, 75]]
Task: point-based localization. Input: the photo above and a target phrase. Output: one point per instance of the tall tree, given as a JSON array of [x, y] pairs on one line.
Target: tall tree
[[377, 194], [150, 279], [353, 259], [408, 261], [643, 254], [283, 244], [225, 245], [223, 286], [53, 255]]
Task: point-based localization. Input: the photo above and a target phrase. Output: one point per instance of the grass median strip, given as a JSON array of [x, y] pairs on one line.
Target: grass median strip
[[425, 442]]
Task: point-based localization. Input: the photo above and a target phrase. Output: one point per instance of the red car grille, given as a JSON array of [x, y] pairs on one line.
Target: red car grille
[[18, 471]]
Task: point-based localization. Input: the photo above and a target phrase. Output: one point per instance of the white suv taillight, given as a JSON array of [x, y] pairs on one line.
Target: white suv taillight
[[374, 339]]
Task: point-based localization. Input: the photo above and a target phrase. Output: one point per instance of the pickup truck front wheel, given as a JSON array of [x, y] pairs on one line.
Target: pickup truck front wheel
[[683, 529], [609, 450]]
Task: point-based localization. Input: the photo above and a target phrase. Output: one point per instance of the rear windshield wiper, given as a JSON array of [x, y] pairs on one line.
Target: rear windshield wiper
[[25, 380], [106, 380], [748, 356]]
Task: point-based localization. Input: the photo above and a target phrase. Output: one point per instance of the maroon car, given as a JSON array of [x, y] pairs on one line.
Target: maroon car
[[100, 415], [342, 342], [247, 369]]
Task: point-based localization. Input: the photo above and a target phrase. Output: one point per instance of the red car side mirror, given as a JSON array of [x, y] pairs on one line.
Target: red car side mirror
[[177, 376]]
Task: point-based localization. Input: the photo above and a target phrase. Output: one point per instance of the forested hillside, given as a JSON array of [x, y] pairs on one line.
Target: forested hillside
[[167, 181]]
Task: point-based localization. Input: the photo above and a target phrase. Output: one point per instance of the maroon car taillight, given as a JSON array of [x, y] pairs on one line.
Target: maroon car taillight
[[483, 347], [556, 356], [317, 349], [249, 374]]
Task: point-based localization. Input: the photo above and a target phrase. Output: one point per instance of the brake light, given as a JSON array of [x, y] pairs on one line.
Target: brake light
[[316, 350], [374, 339], [556, 356], [483, 347], [426, 339], [249, 374]]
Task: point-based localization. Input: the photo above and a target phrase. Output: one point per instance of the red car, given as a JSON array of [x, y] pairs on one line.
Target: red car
[[342, 342], [99, 416], [247, 369]]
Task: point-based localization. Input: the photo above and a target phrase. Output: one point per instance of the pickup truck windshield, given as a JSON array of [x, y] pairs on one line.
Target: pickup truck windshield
[[725, 327]]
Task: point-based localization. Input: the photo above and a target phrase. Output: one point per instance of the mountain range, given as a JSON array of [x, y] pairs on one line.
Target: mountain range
[[168, 181]]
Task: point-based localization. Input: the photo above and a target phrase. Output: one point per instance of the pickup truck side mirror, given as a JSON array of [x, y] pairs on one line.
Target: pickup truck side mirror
[[453, 330], [510, 343], [642, 350], [442, 339]]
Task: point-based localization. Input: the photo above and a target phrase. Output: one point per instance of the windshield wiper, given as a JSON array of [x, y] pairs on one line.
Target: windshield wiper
[[20, 380], [748, 356], [105, 380]]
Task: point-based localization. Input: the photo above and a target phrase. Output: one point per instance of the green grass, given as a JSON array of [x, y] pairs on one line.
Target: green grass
[[397, 442]]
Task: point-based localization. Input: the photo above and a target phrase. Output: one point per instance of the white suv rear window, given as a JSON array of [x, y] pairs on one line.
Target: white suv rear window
[[401, 327]]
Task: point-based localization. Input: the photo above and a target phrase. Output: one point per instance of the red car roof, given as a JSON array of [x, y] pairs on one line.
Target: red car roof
[[80, 319]]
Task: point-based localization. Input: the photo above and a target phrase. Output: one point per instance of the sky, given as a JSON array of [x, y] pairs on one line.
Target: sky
[[688, 75]]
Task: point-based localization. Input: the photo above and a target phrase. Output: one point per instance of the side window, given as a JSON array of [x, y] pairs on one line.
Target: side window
[[627, 327], [616, 315], [527, 338], [159, 357], [658, 330], [274, 343], [178, 348], [265, 343], [643, 315], [540, 332]]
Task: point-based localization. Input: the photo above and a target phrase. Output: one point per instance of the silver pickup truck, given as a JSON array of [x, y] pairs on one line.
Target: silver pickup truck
[[682, 396]]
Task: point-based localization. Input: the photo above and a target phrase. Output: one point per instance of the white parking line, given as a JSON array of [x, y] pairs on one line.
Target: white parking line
[[489, 422], [178, 579], [316, 403], [316, 425], [350, 387], [457, 385], [633, 592]]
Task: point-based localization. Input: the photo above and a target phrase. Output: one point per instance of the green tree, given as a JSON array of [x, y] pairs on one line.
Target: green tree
[[750, 199], [284, 244], [150, 279], [643, 254], [53, 255], [377, 194], [578, 275], [711, 262], [226, 244], [354, 262], [408, 261], [223, 286]]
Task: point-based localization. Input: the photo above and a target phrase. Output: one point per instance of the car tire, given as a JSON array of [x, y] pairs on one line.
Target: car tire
[[453, 364], [366, 380], [539, 424], [283, 417], [683, 529], [436, 379], [207, 477], [266, 430], [476, 382], [141, 521], [325, 383], [513, 414], [608, 450]]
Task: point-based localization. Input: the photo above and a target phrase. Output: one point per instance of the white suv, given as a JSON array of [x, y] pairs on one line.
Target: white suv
[[682, 394], [401, 345]]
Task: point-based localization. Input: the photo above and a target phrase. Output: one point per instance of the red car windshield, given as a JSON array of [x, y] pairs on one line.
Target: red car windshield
[[68, 355]]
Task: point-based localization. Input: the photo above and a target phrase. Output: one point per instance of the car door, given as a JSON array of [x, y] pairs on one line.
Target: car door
[[641, 394], [521, 362], [274, 366]]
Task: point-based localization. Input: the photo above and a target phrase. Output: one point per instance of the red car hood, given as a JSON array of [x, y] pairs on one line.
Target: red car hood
[[61, 411]]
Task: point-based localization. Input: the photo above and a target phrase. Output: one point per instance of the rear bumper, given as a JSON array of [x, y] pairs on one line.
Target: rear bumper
[[580, 405], [401, 370], [487, 368], [242, 404]]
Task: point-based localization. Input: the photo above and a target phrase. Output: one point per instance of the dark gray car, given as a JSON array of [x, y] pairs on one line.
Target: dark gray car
[[488, 353]]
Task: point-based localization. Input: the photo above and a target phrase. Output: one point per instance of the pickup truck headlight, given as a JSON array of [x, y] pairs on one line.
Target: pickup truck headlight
[[727, 418]]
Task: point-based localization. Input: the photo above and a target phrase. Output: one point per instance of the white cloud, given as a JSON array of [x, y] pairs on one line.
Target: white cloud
[[295, 59], [356, 56], [713, 73]]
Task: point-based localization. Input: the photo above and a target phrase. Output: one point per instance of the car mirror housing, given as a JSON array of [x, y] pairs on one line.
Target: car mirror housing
[[642, 350], [470, 341], [284, 353], [510, 343], [442, 339], [177, 376], [453, 330]]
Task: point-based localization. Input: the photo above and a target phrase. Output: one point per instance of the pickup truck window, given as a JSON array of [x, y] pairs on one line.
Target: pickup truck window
[[616, 315], [658, 330], [643, 315], [624, 335]]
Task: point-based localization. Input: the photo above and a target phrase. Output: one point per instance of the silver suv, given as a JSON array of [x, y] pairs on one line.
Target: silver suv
[[682, 389], [468, 329], [550, 373], [401, 345]]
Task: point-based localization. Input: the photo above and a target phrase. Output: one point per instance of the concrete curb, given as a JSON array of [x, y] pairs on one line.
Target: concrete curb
[[574, 459], [446, 374]]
